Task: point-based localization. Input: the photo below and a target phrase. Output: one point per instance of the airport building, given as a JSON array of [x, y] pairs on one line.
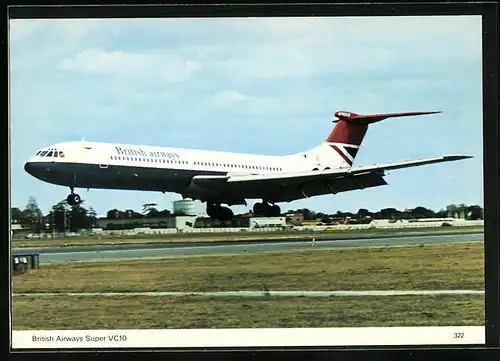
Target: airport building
[[179, 222], [242, 222], [185, 223]]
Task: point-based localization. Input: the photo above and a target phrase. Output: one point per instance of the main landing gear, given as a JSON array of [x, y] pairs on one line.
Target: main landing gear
[[73, 199], [265, 209], [215, 210]]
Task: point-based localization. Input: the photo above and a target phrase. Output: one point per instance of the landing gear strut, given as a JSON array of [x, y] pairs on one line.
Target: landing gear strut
[[73, 199], [265, 209], [215, 210]]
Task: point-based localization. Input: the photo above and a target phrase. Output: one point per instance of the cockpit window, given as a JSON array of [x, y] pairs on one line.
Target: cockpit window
[[61, 154], [43, 153], [50, 154], [38, 152], [55, 153]]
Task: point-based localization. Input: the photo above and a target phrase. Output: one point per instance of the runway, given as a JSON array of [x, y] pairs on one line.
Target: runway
[[50, 255], [261, 293]]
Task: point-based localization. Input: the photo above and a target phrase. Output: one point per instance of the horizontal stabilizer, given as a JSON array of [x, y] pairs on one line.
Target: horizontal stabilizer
[[373, 118]]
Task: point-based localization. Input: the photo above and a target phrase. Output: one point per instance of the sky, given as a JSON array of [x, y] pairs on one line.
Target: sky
[[253, 85]]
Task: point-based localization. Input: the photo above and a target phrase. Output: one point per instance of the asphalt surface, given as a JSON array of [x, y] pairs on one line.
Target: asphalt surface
[[50, 255]]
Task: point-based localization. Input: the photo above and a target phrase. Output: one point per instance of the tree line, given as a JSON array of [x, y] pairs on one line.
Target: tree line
[[149, 210], [64, 217], [61, 218], [470, 212]]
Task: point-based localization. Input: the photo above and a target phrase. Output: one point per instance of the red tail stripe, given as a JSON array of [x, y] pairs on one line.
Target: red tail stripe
[[348, 133], [341, 154]]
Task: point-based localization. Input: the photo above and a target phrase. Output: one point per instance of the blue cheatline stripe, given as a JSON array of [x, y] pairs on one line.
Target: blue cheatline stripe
[[352, 151], [341, 154]]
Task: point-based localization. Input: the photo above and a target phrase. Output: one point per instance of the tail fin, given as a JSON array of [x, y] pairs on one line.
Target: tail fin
[[351, 128]]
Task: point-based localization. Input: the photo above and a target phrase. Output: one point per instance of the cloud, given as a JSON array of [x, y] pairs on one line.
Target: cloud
[[291, 47], [131, 65], [231, 96]]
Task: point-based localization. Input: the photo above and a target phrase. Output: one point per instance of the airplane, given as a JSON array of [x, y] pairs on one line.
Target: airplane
[[219, 178]]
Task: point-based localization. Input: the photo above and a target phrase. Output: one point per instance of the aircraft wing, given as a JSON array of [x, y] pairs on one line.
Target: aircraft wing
[[289, 186]]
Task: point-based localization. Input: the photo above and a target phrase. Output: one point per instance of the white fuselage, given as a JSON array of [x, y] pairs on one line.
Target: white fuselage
[[136, 167], [106, 154]]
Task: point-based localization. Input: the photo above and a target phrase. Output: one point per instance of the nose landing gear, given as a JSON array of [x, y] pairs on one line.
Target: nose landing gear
[[73, 199]]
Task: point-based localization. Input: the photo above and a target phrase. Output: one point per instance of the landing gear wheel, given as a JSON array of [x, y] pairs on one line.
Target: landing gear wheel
[[73, 199], [258, 208], [212, 209], [226, 214], [216, 211], [266, 210]]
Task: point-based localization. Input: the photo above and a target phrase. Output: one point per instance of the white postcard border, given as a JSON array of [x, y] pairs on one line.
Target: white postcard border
[[254, 337]]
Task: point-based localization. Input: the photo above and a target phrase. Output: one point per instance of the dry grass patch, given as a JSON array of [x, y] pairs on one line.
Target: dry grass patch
[[199, 312]]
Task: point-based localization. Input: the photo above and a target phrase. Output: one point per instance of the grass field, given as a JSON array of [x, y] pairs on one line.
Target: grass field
[[228, 236], [438, 266], [200, 312]]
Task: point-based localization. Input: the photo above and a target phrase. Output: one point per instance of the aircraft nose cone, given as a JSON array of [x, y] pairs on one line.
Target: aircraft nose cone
[[32, 168], [28, 167]]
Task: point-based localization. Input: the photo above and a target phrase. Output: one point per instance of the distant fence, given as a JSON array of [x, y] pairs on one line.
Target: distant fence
[[395, 225]]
